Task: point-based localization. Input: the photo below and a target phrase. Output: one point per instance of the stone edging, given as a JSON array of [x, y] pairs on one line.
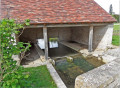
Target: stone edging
[[105, 76], [55, 76]]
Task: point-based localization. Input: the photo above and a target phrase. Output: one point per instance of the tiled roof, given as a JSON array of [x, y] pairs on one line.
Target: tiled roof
[[56, 11]]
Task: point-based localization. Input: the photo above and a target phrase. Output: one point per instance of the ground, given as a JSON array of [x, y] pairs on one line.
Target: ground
[[116, 33], [40, 77]]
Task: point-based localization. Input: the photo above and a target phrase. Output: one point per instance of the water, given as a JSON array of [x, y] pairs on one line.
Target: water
[[68, 71], [61, 51]]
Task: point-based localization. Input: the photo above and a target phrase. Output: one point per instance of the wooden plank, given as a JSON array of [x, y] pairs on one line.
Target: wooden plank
[[90, 45], [46, 41]]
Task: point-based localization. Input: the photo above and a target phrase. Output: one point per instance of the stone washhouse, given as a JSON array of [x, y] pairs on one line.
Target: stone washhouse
[[83, 22]]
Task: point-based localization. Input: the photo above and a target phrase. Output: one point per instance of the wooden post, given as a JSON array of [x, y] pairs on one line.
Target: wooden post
[[90, 45], [45, 41]]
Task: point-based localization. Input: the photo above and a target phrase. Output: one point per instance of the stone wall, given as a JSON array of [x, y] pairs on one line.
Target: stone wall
[[102, 36], [106, 76], [64, 34], [80, 35], [31, 35]]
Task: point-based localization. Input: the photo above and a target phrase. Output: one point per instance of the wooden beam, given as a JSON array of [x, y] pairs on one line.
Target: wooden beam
[[45, 41], [90, 45], [65, 25]]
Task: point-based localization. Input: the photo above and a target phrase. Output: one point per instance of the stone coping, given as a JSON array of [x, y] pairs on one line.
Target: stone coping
[[105, 76]]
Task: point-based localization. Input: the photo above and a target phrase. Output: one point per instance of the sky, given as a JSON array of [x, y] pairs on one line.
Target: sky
[[106, 4]]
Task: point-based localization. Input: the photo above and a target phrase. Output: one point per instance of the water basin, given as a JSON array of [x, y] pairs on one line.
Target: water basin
[[68, 71]]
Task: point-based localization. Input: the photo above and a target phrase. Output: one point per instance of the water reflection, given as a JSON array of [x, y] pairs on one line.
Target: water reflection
[[41, 43], [53, 43]]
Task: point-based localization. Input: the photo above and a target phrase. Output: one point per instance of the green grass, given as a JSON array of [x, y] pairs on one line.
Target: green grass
[[115, 40], [40, 78], [116, 27]]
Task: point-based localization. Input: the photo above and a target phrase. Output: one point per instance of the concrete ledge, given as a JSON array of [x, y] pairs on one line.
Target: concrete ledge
[[55, 76], [106, 76]]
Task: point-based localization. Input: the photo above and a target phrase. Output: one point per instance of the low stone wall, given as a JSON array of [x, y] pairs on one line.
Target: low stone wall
[[105, 76]]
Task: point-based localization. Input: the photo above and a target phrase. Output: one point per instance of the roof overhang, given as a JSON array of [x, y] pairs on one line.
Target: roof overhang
[[65, 25]]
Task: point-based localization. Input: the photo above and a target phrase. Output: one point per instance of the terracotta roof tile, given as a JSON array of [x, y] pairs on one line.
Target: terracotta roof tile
[[55, 11]]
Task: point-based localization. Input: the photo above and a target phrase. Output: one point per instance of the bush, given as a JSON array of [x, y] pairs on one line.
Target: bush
[[11, 75], [116, 17]]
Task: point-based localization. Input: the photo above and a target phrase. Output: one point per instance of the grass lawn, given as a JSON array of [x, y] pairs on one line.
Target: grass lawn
[[115, 40], [116, 27], [40, 78]]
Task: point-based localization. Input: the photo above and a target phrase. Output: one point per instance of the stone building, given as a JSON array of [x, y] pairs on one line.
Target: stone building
[[81, 21]]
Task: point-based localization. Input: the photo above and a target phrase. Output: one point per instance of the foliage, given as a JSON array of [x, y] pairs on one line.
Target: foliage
[[53, 39], [11, 75], [111, 9], [40, 78], [116, 17]]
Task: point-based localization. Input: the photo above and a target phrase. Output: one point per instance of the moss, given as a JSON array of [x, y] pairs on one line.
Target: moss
[[69, 59]]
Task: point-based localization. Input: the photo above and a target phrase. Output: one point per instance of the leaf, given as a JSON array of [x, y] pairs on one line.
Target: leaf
[[8, 83], [27, 23], [14, 86], [16, 80], [26, 76], [16, 32], [4, 85], [18, 86], [27, 20]]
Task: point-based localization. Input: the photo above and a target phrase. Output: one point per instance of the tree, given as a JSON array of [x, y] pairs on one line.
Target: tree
[[11, 75], [111, 9]]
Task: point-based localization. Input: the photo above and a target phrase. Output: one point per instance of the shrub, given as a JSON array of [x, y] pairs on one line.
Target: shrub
[[116, 17], [11, 75]]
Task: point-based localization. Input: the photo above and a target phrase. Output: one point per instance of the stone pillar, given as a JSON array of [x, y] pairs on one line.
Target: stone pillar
[[46, 42], [90, 45]]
